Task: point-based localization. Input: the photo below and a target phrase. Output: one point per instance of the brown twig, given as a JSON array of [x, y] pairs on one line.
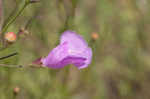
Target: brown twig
[[10, 55]]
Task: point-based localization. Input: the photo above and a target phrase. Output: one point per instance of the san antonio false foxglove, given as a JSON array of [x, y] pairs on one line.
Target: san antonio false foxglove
[[72, 49]]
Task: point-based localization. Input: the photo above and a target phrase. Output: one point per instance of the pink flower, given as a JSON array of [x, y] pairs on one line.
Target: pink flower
[[72, 49]]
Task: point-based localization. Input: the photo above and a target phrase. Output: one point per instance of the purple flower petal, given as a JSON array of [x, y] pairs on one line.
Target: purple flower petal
[[76, 42], [56, 56], [73, 49]]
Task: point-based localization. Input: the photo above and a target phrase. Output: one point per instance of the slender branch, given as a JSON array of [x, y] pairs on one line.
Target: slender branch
[[11, 14], [4, 57], [21, 66], [27, 2], [13, 18], [11, 66], [1, 15], [70, 15], [10, 21]]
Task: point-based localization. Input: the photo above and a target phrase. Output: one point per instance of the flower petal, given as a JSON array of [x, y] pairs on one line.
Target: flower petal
[[88, 55], [77, 61], [77, 46], [56, 56], [73, 49], [76, 42]]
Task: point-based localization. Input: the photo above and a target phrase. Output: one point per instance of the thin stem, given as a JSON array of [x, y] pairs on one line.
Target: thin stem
[[21, 66], [1, 15], [13, 18], [70, 15], [4, 57], [14, 96], [11, 14]]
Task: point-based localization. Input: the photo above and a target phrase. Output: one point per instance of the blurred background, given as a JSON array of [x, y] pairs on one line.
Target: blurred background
[[117, 30]]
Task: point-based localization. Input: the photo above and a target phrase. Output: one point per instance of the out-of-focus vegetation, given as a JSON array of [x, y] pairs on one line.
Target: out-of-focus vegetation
[[120, 67]]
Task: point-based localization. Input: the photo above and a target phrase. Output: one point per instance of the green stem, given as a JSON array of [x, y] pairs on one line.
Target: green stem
[[13, 18], [69, 22], [1, 15], [21, 66]]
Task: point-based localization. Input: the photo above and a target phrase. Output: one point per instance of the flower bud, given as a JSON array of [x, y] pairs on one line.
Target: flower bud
[[10, 37], [16, 90], [95, 36], [37, 61], [23, 33]]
